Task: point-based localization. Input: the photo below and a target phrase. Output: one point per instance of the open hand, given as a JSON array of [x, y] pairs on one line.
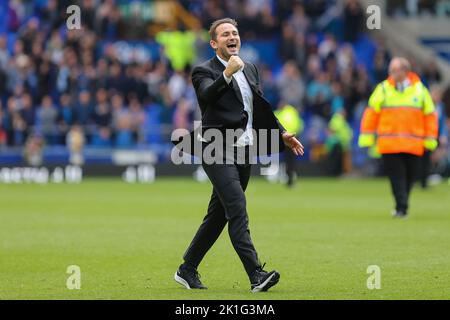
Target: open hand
[[291, 141]]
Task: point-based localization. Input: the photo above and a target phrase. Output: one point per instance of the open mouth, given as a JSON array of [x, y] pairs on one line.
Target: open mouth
[[232, 45]]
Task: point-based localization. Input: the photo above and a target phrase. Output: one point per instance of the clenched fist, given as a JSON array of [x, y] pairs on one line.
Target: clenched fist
[[234, 65]]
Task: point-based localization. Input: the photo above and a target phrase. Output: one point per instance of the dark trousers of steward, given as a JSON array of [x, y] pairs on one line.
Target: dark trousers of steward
[[402, 170]]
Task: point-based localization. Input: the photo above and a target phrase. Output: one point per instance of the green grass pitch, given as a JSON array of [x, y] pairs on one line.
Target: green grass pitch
[[128, 240]]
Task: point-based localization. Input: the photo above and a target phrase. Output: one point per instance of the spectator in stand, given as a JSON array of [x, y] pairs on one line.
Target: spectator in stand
[[49, 15], [4, 54], [249, 22], [14, 125], [181, 115], [117, 109], [115, 79], [7, 121], [268, 22], [177, 85], [319, 95], [66, 117], [124, 132], [269, 86], [107, 20], [27, 34], [327, 47], [313, 67], [290, 85], [55, 47], [46, 117], [155, 78], [102, 138], [27, 111], [75, 143], [431, 158], [360, 92], [102, 109], [353, 20], [380, 66], [301, 52], [345, 57], [138, 85], [137, 119], [33, 151], [337, 100], [431, 74], [84, 110], [45, 78], [287, 46], [2, 130], [101, 75], [298, 20]]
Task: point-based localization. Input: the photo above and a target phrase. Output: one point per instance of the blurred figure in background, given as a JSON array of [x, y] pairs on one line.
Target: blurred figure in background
[[102, 138], [33, 150], [290, 84], [432, 159], [338, 144], [290, 118], [65, 117], [401, 119], [2, 130], [75, 143], [47, 116], [84, 109]]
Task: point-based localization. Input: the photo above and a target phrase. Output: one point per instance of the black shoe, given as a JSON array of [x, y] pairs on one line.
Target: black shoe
[[262, 280], [188, 277], [399, 214]]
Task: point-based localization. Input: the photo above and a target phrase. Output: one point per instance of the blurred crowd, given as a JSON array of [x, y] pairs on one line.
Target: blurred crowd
[[440, 8], [55, 82]]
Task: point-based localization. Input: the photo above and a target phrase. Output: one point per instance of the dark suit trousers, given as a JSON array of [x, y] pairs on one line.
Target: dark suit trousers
[[227, 204], [402, 169]]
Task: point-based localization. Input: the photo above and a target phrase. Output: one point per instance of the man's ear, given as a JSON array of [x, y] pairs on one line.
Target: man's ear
[[213, 44]]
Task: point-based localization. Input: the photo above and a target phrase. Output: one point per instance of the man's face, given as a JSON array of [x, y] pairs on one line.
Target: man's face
[[227, 41], [397, 71]]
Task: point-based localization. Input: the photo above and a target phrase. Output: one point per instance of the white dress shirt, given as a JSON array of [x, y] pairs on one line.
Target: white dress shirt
[[247, 97]]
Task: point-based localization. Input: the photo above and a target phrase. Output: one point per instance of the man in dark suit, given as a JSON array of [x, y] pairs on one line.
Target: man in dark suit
[[229, 95]]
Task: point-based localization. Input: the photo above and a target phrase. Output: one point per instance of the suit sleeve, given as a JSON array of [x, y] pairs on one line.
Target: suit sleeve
[[258, 80], [208, 89], [258, 87]]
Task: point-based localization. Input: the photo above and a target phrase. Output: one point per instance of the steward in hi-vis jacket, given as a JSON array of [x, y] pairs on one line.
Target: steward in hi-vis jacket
[[402, 122]]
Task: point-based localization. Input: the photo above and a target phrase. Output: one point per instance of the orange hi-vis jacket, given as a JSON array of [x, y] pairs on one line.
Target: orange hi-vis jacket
[[400, 121]]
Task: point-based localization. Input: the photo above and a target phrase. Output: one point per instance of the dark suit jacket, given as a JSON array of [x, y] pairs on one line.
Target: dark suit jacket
[[221, 103]]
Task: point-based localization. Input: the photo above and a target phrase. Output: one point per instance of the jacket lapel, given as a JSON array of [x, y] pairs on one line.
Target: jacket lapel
[[237, 91], [220, 67], [248, 77]]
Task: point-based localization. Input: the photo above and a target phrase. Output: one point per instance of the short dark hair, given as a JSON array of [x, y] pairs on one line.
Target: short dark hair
[[215, 24]]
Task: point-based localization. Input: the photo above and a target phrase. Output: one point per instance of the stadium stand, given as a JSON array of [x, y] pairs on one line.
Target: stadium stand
[[129, 90]]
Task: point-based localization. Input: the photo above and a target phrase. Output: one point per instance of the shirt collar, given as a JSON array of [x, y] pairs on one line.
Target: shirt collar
[[225, 63], [401, 86]]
